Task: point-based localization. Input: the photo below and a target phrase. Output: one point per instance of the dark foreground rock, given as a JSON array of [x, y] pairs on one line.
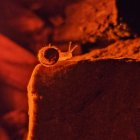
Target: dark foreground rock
[[85, 100]]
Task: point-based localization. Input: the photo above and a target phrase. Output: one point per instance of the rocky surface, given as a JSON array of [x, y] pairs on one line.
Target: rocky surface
[[86, 20], [122, 48], [103, 29], [86, 100], [37, 23]]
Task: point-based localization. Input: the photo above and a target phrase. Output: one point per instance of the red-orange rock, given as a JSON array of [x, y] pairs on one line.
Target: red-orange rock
[[87, 19], [22, 25], [16, 65], [85, 100], [122, 48], [3, 134]]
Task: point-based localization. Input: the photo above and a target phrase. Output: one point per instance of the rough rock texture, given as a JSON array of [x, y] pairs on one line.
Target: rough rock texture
[[85, 100], [97, 26], [121, 48], [35, 23], [90, 20]]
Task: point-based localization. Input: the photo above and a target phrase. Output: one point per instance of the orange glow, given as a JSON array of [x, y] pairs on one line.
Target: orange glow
[[64, 91]]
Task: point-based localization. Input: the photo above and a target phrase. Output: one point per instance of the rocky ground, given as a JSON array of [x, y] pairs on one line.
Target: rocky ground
[[99, 86]]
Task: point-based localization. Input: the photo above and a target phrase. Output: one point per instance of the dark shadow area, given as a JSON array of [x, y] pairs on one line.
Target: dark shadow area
[[100, 43], [129, 12]]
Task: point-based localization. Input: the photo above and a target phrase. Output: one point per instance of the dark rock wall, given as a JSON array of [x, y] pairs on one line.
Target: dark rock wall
[[86, 100]]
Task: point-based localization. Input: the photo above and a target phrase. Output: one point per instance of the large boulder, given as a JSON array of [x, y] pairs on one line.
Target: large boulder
[[86, 100]]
